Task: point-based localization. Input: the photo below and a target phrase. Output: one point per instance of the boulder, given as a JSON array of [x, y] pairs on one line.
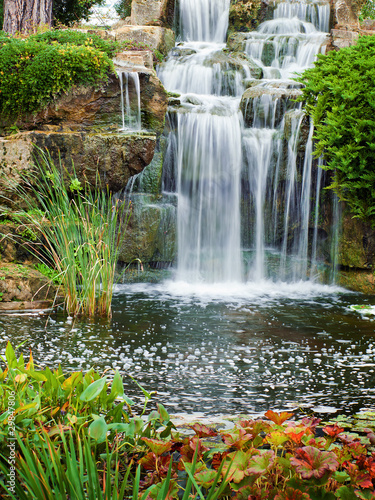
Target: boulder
[[257, 101], [150, 37], [151, 234], [246, 15], [24, 284], [86, 106], [153, 13], [234, 61], [134, 59], [342, 38], [346, 13], [114, 157]]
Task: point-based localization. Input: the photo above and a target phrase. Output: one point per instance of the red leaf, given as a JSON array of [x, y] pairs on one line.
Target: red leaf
[[311, 422], [292, 494], [333, 430], [312, 463], [278, 418], [237, 438], [203, 431], [157, 446]]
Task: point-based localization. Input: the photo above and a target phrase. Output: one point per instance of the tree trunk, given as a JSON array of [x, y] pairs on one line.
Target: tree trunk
[[25, 16]]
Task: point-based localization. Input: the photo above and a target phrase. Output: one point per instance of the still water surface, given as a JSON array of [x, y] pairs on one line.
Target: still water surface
[[220, 349]]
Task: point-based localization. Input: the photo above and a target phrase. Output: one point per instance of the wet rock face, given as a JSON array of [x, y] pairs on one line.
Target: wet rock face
[[21, 283], [153, 12], [357, 244], [152, 37], [87, 106], [246, 15], [255, 103], [234, 61], [114, 157], [151, 234]]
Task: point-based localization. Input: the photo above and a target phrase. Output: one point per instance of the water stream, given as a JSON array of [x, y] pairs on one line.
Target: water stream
[[246, 190]]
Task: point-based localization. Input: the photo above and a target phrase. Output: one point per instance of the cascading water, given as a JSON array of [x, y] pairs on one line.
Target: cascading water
[[257, 164], [130, 119]]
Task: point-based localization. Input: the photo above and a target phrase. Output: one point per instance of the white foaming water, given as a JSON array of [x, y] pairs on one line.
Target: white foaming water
[[237, 293], [209, 173], [290, 41], [208, 136], [204, 20], [314, 12], [196, 67], [130, 119]]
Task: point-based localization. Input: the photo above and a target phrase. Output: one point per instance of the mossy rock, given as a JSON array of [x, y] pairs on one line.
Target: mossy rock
[[22, 283], [244, 15]]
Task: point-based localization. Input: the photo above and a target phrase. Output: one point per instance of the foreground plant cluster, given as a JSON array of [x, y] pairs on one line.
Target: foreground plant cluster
[[78, 438]]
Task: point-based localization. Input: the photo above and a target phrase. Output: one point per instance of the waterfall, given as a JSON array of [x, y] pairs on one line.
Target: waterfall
[[130, 120], [240, 147], [205, 20]]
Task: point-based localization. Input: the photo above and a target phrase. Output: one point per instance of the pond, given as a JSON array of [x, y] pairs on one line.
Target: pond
[[221, 349]]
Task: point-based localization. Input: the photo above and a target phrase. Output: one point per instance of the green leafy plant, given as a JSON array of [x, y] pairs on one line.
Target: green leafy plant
[[81, 235], [68, 12], [340, 97], [79, 38], [123, 8], [33, 71]]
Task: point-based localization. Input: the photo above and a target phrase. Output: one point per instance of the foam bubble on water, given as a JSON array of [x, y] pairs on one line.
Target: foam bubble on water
[[231, 292]]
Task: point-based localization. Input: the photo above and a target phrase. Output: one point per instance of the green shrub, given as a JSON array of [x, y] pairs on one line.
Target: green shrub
[[78, 38], [368, 10], [33, 72], [340, 97], [68, 12], [1, 14], [123, 8]]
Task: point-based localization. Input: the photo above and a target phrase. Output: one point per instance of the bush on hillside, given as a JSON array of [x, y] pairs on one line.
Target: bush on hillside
[[123, 8], [34, 71], [340, 97]]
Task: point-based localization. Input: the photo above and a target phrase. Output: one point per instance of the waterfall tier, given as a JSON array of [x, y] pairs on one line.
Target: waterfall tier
[[240, 146]]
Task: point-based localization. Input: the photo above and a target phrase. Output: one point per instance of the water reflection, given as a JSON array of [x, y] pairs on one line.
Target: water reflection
[[221, 356]]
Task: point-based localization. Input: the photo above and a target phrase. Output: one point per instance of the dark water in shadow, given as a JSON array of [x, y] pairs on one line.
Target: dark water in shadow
[[221, 349]]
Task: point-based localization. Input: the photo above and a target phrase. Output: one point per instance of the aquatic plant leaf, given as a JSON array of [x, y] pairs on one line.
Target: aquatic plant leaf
[[164, 415], [235, 466], [346, 493], [98, 430], [157, 446], [93, 390], [292, 494], [203, 431], [321, 494], [277, 438], [72, 381], [205, 478], [237, 438], [365, 494], [333, 430], [260, 463], [341, 476], [311, 422], [313, 463], [295, 434], [169, 494], [278, 418]]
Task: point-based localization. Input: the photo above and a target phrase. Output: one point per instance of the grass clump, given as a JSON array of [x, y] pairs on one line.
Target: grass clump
[[82, 230], [36, 69]]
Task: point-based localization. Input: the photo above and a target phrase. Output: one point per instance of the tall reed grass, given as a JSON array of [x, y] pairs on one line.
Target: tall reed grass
[[82, 230]]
